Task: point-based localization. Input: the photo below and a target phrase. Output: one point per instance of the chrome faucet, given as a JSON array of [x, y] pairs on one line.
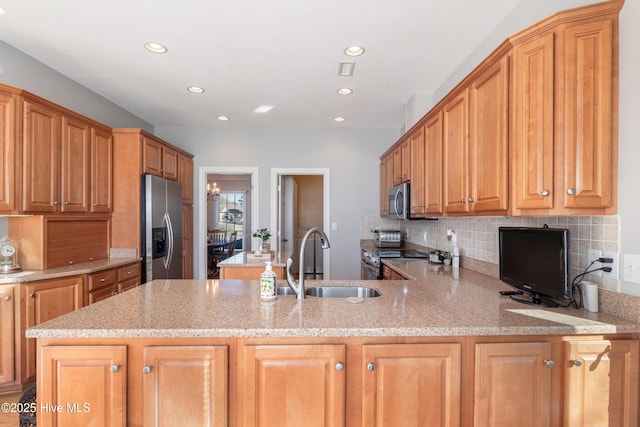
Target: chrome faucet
[[299, 288]]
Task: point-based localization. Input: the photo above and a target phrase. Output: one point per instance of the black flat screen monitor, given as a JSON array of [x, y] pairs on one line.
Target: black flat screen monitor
[[535, 261]]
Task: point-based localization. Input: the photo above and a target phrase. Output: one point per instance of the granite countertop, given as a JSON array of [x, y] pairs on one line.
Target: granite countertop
[[442, 304], [244, 259], [67, 270]]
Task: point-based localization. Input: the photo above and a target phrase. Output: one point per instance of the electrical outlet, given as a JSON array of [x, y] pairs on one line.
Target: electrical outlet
[[593, 255], [632, 268], [615, 269]]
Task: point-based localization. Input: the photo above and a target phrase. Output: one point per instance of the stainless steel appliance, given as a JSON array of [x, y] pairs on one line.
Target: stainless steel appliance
[[371, 264], [388, 238], [161, 228], [399, 202]]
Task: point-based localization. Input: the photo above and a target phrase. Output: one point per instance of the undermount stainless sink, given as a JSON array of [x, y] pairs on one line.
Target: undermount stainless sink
[[342, 292], [333, 291]]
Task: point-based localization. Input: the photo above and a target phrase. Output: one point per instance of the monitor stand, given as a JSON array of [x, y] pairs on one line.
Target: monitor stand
[[536, 299]]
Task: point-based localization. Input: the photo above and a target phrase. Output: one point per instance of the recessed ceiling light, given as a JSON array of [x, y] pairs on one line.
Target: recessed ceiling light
[[354, 51], [195, 89], [2, 12], [223, 118], [345, 91], [339, 119], [263, 109], [155, 47]]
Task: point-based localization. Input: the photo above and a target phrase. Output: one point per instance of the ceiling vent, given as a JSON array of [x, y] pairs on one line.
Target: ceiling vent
[[346, 68]]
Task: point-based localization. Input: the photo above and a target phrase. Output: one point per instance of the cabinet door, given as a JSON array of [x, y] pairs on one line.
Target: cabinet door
[[293, 385], [88, 383], [46, 300], [101, 171], [488, 139], [417, 158], [7, 152], [169, 163], [7, 337], [185, 386], [588, 122], [386, 182], [433, 162], [512, 384], [185, 168], [40, 159], [405, 155], [456, 153], [601, 380], [187, 242], [533, 112], [152, 156], [411, 385], [75, 158], [397, 165]]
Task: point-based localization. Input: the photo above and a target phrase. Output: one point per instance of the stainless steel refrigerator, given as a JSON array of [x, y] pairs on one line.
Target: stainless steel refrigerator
[[161, 228]]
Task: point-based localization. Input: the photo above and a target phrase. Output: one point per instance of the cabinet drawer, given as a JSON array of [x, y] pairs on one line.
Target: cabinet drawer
[[129, 272], [101, 293], [102, 278]]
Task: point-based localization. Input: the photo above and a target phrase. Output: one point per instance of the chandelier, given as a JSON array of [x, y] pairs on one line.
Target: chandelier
[[213, 191]]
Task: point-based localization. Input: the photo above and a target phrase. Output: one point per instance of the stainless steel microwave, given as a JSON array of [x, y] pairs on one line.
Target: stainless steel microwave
[[399, 202]]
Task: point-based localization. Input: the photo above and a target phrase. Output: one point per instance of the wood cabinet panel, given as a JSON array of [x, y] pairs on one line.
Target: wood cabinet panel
[[185, 168], [40, 158], [8, 125], [101, 171], [170, 163], [456, 153], [489, 139], [433, 164], [418, 170], [75, 165], [602, 383], [187, 242], [386, 182], [293, 385], [512, 384], [588, 121], [411, 385], [249, 272], [7, 334], [152, 156], [92, 377], [185, 385], [532, 112]]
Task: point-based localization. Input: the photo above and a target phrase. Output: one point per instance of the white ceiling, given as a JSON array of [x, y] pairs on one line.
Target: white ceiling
[[247, 53]]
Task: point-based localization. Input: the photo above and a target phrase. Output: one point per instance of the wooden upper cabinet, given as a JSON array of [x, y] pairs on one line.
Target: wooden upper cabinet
[[489, 139], [533, 133], [386, 182], [417, 173], [590, 154], [185, 172], [101, 170], [8, 125], [455, 153], [75, 168], [159, 159], [433, 164], [411, 385], [601, 380], [40, 158]]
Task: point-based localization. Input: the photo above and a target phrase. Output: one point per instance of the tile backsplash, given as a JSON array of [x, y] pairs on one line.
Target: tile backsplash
[[478, 236]]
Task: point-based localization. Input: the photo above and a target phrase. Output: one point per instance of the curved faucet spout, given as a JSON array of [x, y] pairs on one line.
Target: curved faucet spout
[[298, 288]]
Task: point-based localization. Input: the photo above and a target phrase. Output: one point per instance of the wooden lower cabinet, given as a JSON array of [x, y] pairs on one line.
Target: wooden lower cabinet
[[185, 386], [249, 272], [389, 274], [293, 385], [7, 334], [106, 283], [411, 385], [82, 386]]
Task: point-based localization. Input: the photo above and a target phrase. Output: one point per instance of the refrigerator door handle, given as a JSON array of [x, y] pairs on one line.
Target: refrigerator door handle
[[167, 220]]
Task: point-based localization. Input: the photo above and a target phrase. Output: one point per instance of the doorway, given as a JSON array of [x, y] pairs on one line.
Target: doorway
[[299, 201], [229, 217]]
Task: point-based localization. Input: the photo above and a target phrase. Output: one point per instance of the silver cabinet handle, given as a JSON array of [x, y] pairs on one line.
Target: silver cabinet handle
[[471, 200], [104, 279], [32, 295], [55, 203], [95, 204], [146, 369], [6, 298], [339, 366], [544, 193], [114, 368], [462, 200], [549, 363], [370, 366], [571, 191], [577, 362], [66, 202]]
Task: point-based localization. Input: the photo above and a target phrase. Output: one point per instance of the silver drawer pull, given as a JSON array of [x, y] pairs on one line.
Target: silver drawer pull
[[146, 369], [6, 298], [114, 368], [549, 363], [370, 366], [577, 362], [339, 366], [544, 193], [571, 191]]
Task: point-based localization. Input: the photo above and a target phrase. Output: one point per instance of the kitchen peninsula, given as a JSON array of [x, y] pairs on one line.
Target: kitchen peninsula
[[249, 266], [445, 350]]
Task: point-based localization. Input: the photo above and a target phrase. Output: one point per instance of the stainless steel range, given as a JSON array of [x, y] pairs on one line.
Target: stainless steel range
[[372, 259]]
